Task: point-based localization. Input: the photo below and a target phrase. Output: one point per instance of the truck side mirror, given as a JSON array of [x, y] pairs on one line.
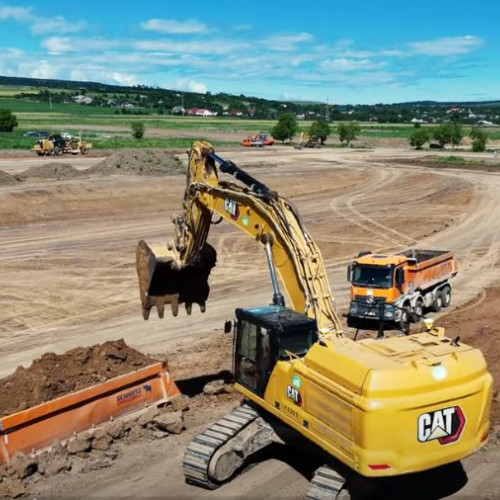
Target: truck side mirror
[[228, 326], [349, 273]]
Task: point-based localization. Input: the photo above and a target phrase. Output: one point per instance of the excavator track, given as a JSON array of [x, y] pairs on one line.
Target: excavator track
[[327, 484], [202, 448]]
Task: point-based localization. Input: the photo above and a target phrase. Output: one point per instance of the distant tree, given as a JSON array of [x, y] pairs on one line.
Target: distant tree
[[8, 121], [443, 134], [138, 129], [418, 138], [479, 138], [320, 129], [456, 133], [348, 132], [286, 127]]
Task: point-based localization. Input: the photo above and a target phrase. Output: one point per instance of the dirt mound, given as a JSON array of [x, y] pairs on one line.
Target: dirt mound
[[6, 178], [53, 375], [53, 170], [138, 162]]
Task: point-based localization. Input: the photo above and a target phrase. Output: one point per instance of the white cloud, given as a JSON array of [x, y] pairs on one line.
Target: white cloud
[[171, 26], [209, 47], [59, 45], [21, 14], [56, 25], [190, 85], [41, 23], [125, 79], [344, 64], [285, 43], [447, 46]]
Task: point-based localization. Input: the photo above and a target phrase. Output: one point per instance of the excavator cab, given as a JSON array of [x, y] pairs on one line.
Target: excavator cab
[[265, 335]]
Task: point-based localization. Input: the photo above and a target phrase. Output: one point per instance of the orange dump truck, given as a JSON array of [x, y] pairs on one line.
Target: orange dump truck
[[390, 291]]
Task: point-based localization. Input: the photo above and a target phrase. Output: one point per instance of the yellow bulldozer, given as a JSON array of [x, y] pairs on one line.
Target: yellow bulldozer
[[372, 407], [56, 144]]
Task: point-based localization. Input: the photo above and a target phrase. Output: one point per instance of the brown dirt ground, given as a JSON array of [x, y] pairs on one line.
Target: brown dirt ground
[[67, 263], [54, 375]]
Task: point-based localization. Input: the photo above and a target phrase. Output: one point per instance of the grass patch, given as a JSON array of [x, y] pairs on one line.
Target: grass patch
[[458, 160]]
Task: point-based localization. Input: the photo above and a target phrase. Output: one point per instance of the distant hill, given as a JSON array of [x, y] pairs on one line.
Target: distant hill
[[141, 99]]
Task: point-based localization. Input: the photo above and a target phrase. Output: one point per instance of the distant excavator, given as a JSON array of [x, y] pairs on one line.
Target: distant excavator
[[308, 141], [374, 408]]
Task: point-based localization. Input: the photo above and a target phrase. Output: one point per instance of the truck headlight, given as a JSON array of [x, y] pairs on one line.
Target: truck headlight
[[389, 312]]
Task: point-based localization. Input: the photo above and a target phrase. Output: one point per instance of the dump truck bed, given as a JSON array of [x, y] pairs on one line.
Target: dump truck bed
[[429, 267]]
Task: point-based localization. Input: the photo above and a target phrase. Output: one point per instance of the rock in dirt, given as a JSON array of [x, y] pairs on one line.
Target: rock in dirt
[[148, 416], [22, 465], [49, 465], [172, 422], [180, 403], [54, 375], [215, 387], [116, 429], [80, 444], [101, 440]]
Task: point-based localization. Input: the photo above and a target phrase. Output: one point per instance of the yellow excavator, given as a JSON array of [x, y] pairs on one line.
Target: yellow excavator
[[379, 407]]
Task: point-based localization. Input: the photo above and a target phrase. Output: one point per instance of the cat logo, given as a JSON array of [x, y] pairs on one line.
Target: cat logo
[[232, 208], [445, 425], [294, 395]]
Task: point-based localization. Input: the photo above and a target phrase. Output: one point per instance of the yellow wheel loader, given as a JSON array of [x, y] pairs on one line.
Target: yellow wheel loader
[[57, 145], [373, 407]]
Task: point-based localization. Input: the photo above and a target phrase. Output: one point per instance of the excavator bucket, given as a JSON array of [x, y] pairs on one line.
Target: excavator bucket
[[164, 279]]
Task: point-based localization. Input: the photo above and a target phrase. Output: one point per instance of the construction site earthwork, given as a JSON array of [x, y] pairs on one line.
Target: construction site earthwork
[[335, 329]]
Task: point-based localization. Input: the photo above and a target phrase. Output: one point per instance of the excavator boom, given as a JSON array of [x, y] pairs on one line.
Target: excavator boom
[[178, 272]]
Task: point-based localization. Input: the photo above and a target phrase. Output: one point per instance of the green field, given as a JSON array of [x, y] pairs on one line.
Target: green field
[[106, 128]]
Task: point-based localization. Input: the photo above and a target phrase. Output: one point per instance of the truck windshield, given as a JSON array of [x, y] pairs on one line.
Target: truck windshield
[[372, 276]]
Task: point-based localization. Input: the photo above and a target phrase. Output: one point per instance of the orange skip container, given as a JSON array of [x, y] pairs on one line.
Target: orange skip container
[[39, 426]]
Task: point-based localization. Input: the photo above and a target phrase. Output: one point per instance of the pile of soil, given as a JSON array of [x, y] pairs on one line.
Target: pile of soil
[[6, 178], [139, 162], [54, 375], [53, 170]]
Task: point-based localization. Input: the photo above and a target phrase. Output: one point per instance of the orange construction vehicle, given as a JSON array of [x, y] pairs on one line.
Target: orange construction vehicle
[[393, 290], [258, 140]]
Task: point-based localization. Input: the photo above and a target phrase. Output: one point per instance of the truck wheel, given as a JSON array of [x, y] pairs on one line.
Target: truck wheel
[[404, 322], [446, 294], [58, 151], [84, 151], [418, 310], [438, 301]]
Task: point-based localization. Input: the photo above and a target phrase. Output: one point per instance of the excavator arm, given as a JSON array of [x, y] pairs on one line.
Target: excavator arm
[[178, 272]]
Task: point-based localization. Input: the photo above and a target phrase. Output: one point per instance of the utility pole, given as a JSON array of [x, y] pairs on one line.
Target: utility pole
[[183, 110], [50, 100], [327, 111]]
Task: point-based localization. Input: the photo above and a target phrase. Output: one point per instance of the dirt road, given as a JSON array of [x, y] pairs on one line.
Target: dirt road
[[67, 263]]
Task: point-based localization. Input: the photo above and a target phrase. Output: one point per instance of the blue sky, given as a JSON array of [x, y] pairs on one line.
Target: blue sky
[[341, 52]]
